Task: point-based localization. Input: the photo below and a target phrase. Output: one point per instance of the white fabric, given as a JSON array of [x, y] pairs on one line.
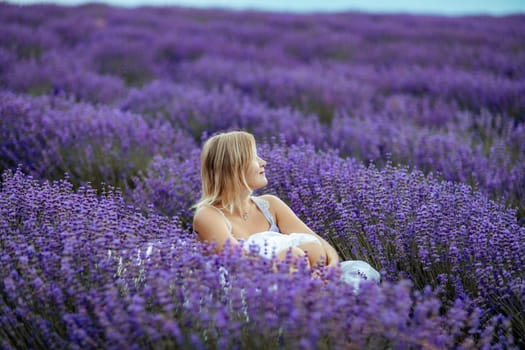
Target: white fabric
[[269, 243], [354, 272]]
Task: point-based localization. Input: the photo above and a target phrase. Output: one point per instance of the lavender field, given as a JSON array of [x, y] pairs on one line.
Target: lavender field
[[398, 138]]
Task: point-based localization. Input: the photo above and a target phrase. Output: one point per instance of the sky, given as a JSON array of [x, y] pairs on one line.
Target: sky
[[440, 7]]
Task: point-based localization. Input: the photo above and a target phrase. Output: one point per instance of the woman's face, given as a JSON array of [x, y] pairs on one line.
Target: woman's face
[[255, 176]]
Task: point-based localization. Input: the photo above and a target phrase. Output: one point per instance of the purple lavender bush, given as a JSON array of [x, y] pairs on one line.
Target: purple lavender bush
[[51, 136], [63, 74], [171, 186], [88, 271], [199, 111], [492, 159]]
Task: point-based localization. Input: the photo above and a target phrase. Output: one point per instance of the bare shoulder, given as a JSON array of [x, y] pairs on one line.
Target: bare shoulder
[[205, 214], [210, 226], [208, 222], [204, 209]]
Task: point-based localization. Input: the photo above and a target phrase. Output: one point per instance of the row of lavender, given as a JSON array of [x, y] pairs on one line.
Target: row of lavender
[[82, 270], [442, 94], [114, 144], [174, 35]]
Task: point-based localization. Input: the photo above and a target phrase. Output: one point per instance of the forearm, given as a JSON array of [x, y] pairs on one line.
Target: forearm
[[288, 222]]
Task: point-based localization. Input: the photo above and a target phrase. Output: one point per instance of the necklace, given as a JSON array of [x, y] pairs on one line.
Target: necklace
[[244, 215]]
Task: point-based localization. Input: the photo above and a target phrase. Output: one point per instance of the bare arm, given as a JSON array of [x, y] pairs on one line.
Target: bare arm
[[288, 222], [211, 227]]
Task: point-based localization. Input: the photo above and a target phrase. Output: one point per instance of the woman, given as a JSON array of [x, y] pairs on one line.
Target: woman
[[228, 212]]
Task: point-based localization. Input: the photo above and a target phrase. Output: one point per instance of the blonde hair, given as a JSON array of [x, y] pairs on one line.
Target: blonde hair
[[225, 159]]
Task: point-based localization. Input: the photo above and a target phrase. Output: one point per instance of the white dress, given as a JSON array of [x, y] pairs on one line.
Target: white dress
[[269, 243]]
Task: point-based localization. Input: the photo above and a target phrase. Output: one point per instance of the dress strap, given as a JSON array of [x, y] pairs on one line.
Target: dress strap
[[264, 206], [228, 223]]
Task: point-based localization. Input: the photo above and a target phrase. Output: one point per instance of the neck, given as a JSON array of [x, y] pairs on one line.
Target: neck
[[245, 209], [246, 204]]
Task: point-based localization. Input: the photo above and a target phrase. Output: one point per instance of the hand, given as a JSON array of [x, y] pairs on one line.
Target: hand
[[332, 261], [332, 258]]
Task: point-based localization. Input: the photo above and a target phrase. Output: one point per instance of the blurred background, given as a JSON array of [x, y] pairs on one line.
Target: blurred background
[[444, 7]]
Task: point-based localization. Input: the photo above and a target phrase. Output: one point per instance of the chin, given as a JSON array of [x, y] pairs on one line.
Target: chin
[[260, 185]]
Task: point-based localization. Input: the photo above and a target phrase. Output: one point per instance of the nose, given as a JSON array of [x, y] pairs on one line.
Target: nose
[[262, 162]]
